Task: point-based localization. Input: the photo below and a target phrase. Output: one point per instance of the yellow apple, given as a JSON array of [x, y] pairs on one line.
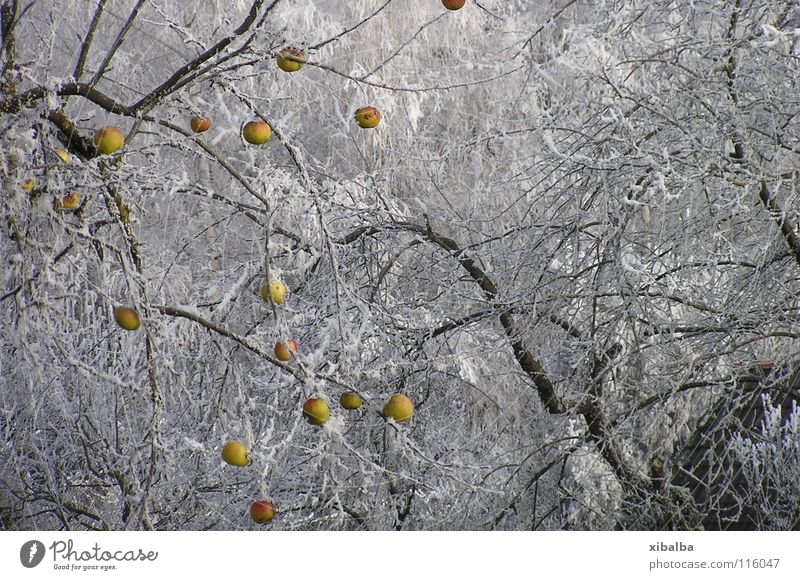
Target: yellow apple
[[350, 400], [453, 4], [291, 59], [256, 132], [367, 117], [108, 140], [200, 124], [275, 291], [127, 318], [399, 407], [262, 511], [316, 411], [235, 453], [284, 351], [64, 155]]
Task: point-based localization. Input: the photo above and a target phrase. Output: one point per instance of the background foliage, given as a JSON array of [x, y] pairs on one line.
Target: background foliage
[[570, 241]]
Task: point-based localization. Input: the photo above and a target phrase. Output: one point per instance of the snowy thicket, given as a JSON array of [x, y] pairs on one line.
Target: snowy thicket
[[574, 227]]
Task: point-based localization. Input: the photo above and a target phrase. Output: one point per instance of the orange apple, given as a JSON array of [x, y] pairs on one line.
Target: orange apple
[[275, 291], [257, 132], [200, 124], [453, 4], [367, 117], [235, 453], [316, 411], [284, 352], [350, 400], [108, 140], [399, 407], [291, 59], [262, 511], [127, 318], [68, 202]]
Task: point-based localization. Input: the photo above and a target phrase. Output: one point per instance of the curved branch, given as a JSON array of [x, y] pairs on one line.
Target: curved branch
[[780, 218], [165, 87]]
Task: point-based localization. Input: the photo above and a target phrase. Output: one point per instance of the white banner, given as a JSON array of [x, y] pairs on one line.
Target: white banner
[[388, 556]]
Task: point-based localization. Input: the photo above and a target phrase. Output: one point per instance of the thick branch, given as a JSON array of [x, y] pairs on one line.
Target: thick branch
[[780, 218], [527, 362]]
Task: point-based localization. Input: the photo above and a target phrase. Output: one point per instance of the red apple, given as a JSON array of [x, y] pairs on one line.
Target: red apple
[[257, 132], [316, 411], [399, 407], [453, 4], [262, 511], [367, 117], [200, 124], [285, 351]]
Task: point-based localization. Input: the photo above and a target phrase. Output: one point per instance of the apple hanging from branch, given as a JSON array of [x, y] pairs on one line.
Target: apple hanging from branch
[[350, 400], [399, 407], [200, 124], [275, 291], [367, 117], [235, 453], [69, 202], [316, 411], [108, 140], [256, 132], [127, 318], [285, 351], [291, 59], [453, 4], [262, 511]]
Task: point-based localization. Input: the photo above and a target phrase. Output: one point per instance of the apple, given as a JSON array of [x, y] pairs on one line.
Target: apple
[[262, 511], [284, 351], [257, 132], [200, 124], [68, 202], [108, 140], [399, 407], [291, 59], [64, 155], [367, 117], [127, 318], [453, 4], [350, 400], [316, 411], [275, 291], [235, 453]]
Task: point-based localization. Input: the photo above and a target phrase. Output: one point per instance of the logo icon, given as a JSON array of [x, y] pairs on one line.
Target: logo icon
[[31, 553]]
